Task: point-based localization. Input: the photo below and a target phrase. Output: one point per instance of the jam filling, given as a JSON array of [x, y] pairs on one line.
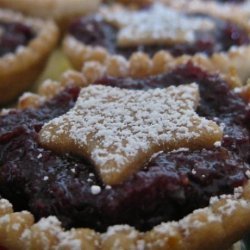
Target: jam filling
[[13, 35], [168, 187], [96, 32]]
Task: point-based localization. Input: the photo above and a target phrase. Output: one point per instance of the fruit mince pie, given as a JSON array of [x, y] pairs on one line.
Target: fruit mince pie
[[132, 161], [240, 8], [232, 1], [25, 45], [229, 1], [241, 11], [117, 30], [62, 11], [221, 2]]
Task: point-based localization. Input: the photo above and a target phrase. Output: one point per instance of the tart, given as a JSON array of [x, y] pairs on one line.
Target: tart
[[221, 2], [25, 45], [106, 34], [57, 160], [232, 1], [60, 10], [240, 8]]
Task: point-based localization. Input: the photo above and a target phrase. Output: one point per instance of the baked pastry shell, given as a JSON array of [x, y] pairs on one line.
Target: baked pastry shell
[[240, 10], [20, 69], [224, 221], [237, 58]]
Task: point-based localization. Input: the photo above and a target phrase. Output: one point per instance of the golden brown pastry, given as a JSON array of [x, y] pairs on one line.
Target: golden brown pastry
[[239, 8], [25, 45], [60, 10]]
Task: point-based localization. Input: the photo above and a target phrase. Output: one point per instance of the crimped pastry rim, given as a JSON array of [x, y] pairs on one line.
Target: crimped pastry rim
[[46, 38]]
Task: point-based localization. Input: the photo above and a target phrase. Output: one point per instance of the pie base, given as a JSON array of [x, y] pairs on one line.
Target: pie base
[[20, 69]]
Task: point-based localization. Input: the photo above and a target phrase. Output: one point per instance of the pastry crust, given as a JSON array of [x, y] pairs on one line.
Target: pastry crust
[[236, 59], [60, 10], [20, 69], [241, 11], [140, 65], [220, 220]]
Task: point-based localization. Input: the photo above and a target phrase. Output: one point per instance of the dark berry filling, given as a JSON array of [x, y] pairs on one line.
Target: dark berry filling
[[96, 32], [13, 35], [170, 186]]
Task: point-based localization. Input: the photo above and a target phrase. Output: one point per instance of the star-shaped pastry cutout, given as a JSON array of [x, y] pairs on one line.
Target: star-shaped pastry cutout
[[157, 25], [118, 130]]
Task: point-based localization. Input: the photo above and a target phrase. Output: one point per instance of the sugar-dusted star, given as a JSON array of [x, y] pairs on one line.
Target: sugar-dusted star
[[159, 24], [118, 130]]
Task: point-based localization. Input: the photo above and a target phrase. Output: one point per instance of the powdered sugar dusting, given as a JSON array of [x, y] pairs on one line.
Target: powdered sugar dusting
[[248, 174], [231, 206], [50, 223], [116, 229], [119, 129], [159, 24], [95, 189], [68, 241], [4, 219], [166, 227], [4, 205], [191, 222]]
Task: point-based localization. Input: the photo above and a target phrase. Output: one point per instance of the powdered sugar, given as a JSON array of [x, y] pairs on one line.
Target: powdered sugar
[[159, 24], [4, 205], [248, 174], [49, 223], [95, 189], [118, 128]]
